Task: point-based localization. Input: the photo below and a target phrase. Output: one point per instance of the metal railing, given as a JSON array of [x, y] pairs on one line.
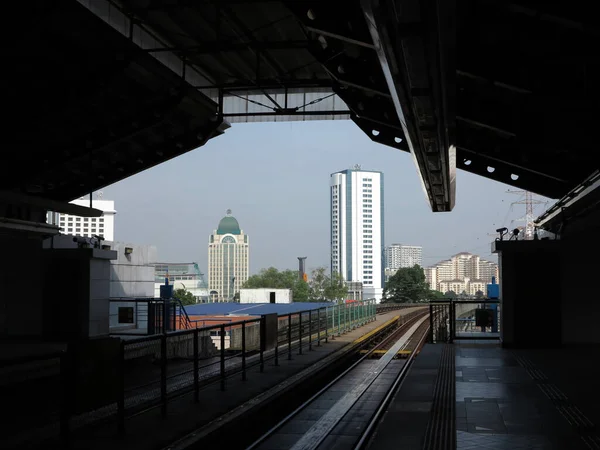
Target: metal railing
[[147, 372], [469, 319]]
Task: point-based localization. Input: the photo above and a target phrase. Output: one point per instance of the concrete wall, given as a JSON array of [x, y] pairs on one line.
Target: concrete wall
[[181, 346], [76, 290], [21, 281], [547, 291], [252, 337], [263, 295], [132, 275], [580, 306]]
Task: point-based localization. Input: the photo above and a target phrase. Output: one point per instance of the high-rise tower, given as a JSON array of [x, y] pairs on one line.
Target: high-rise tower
[[228, 259], [357, 235]]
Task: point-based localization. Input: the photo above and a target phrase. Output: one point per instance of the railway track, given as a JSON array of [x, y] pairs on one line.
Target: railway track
[[345, 411]]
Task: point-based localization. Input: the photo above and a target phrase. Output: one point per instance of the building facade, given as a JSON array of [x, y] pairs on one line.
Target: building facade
[[103, 226], [228, 260], [357, 234], [182, 276], [464, 271], [398, 256]]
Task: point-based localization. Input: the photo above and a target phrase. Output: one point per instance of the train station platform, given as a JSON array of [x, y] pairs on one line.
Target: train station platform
[[150, 430], [484, 396]]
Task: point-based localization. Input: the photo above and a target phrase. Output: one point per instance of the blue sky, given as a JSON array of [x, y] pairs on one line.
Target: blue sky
[[275, 179]]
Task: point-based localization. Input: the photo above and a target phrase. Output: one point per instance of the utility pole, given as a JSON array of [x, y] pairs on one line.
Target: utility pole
[[529, 217]]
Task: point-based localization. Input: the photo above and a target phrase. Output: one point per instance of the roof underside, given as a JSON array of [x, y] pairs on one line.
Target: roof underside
[[499, 90]]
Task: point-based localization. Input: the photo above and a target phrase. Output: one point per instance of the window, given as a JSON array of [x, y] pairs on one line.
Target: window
[[85, 230], [70, 230], [367, 246], [78, 219], [101, 219], [70, 219], [85, 219]]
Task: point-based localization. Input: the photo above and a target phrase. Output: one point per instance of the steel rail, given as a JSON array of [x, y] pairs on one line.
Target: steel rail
[[403, 328], [366, 435]]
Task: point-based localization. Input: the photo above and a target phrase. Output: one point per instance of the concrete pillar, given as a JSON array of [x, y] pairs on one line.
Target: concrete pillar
[[76, 293], [21, 285]]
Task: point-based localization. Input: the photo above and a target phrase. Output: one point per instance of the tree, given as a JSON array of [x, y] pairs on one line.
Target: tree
[[450, 294], [185, 296], [275, 279], [336, 289], [323, 287], [436, 295], [479, 294], [407, 285], [317, 284]]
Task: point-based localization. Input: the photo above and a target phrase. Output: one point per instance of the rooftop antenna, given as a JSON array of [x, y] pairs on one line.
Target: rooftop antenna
[[228, 212]]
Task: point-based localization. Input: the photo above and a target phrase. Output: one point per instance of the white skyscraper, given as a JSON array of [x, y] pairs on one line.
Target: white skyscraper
[[398, 256], [357, 228], [88, 226]]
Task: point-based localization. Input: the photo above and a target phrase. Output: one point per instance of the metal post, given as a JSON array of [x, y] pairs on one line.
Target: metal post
[[65, 406], [263, 342], [196, 368], [289, 336], [339, 311], [244, 351], [277, 345], [300, 333], [431, 323], [222, 332], [121, 393], [452, 323], [332, 322], [319, 326], [327, 325], [361, 315], [163, 375], [309, 329]]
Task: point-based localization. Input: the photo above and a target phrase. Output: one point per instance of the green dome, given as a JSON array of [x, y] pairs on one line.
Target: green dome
[[229, 225]]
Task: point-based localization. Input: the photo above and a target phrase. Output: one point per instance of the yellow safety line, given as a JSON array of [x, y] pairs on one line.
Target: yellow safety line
[[376, 330], [383, 352]]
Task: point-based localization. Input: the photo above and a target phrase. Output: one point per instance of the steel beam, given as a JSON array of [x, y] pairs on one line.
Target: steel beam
[[511, 174], [399, 87], [287, 113]]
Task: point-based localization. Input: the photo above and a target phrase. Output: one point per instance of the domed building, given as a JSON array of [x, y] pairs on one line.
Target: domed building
[[228, 260]]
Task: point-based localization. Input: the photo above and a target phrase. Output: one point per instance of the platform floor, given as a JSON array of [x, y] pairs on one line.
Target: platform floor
[[150, 431], [505, 399]]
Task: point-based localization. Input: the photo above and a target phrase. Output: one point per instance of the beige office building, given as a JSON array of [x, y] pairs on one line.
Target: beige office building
[[228, 260]]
